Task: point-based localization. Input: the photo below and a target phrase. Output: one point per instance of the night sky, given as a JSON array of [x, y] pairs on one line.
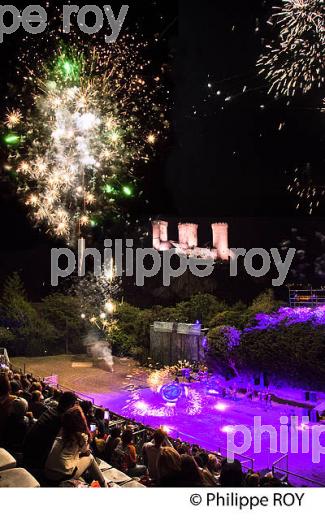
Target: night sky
[[227, 151]]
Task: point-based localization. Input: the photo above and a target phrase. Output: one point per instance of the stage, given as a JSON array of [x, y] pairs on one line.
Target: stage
[[196, 416]]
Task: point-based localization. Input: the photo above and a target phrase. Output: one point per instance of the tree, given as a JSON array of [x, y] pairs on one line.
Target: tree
[[6, 337], [33, 335], [63, 313], [264, 303], [291, 353], [236, 316], [223, 342], [200, 307]]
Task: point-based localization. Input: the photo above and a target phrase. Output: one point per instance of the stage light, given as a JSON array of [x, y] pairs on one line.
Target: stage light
[[141, 406], [165, 429], [228, 429], [221, 407]]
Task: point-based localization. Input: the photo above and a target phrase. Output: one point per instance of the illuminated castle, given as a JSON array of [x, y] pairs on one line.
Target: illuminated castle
[[188, 242]]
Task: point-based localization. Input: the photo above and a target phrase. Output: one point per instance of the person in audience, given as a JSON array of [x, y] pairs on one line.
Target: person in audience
[[231, 474], [17, 425], [36, 385], [169, 468], [151, 452], [101, 424], [213, 465], [16, 389], [41, 436], [270, 481], [25, 393], [112, 443], [202, 461], [17, 378], [52, 400], [70, 456], [5, 402], [126, 456], [252, 480], [191, 475], [36, 407], [88, 410]]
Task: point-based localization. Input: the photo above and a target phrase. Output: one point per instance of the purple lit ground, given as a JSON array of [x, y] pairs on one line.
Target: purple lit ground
[[197, 418], [205, 420]]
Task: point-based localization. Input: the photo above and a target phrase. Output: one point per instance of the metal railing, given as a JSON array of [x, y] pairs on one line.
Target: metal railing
[[246, 462], [79, 394], [276, 466], [286, 473]]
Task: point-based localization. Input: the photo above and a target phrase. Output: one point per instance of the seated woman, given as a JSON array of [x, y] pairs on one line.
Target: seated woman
[[112, 442], [70, 456], [169, 468]]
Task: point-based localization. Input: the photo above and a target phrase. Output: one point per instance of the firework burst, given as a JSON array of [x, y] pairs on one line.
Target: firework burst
[[307, 192], [93, 117], [295, 62]]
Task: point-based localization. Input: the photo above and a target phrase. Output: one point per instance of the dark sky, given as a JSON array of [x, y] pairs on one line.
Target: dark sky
[[223, 158], [229, 158]]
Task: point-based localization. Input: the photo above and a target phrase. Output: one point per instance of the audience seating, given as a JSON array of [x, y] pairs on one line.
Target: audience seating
[[116, 476], [7, 461], [17, 478]]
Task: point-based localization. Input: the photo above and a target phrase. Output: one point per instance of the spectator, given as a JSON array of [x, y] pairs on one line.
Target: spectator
[[70, 456], [25, 394], [36, 406], [36, 385], [41, 436], [5, 402], [169, 468], [213, 465], [53, 398], [231, 474], [151, 452], [17, 425], [88, 410], [270, 481], [126, 456], [111, 444], [252, 480], [202, 461], [15, 388], [101, 424], [191, 474], [17, 378]]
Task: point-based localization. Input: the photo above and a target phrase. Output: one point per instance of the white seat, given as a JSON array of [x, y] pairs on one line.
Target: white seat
[[115, 475], [103, 466], [17, 478], [6, 460], [133, 484]]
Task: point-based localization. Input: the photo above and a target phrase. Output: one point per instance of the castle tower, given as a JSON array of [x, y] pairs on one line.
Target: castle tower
[[159, 233], [220, 239], [187, 235]]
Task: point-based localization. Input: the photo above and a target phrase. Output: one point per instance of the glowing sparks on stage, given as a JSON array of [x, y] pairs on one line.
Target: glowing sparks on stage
[[93, 117], [295, 62]]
